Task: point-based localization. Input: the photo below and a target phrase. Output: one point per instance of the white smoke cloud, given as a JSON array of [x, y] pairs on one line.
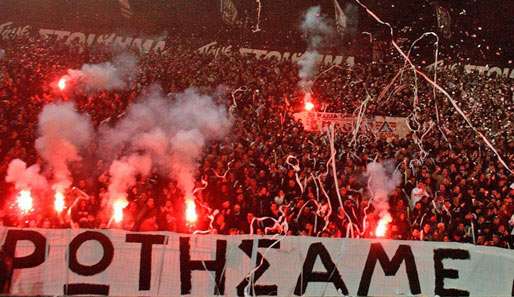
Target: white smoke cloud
[[186, 147], [172, 132], [123, 174], [113, 75], [315, 26], [25, 178], [63, 132], [308, 65], [382, 180], [317, 29]]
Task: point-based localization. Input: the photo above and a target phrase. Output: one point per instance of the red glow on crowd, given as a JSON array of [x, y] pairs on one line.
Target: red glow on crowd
[[59, 202], [24, 201], [61, 84], [191, 215], [382, 226], [117, 208]]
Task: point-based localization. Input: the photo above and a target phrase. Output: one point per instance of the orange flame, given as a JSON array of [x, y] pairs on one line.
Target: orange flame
[[191, 215], [24, 201], [59, 203], [382, 225]]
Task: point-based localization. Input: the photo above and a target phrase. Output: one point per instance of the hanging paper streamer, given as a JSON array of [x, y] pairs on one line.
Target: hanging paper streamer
[[233, 107], [335, 66], [331, 137], [360, 115], [258, 24], [204, 185], [296, 168], [224, 175], [418, 140], [279, 225]]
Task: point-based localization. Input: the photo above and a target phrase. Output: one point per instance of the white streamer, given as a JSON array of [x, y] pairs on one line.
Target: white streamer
[[224, 176], [296, 168], [257, 25], [331, 138], [234, 101]]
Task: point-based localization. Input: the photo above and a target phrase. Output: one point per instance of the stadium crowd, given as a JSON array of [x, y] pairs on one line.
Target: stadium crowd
[[458, 191]]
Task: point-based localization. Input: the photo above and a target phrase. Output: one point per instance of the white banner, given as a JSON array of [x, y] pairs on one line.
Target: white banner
[[215, 49], [385, 127], [119, 263]]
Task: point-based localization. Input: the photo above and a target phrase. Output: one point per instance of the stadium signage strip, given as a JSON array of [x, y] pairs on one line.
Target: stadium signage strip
[[381, 126], [216, 49], [9, 30], [490, 71], [119, 263]]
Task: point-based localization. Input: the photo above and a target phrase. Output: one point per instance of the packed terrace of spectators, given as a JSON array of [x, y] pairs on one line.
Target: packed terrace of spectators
[[458, 191]]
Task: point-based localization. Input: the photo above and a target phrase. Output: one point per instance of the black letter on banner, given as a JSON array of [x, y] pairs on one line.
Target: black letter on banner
[[260, 290], [75, 266], [32, 260], [331, 276], [145, 262], [441, 273], [390, 267], [187, 266]]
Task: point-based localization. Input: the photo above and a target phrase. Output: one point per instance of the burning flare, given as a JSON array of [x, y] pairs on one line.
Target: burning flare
[[307, 102], [309, 106], [59, 203], [191, 215], [117, 208], [61, 84], [24, 201], [382, 225]]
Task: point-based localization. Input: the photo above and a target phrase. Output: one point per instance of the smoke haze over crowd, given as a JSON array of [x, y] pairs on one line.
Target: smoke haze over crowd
[[114, 75], [63, 132], [171, 130]]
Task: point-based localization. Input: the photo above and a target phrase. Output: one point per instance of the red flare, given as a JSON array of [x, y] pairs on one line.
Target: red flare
[[61, 84], [117, 208], [59, 203], [382, 226], [24, 201], [191, 215], [309, 106], [307, 102]]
